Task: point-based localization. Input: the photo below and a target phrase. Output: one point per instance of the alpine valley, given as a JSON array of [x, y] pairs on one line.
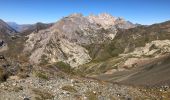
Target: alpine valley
[[94, 57]]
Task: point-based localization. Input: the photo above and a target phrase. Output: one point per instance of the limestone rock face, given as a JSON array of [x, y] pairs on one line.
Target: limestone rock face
[[154, 48], [106, 21], [65, 40]]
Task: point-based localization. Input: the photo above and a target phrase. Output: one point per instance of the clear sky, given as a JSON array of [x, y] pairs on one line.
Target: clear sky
[[32, 11]]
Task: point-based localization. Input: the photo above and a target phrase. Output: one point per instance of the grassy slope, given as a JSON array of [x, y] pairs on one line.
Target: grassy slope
[[105, 55], [155, 72]]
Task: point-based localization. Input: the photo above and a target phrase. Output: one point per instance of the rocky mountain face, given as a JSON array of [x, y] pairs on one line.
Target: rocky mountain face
[[35, 28], [66, 39], [107, 21]]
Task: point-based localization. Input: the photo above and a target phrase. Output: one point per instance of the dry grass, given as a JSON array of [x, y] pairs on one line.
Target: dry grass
[[91, 95], [69, 88], [42, 94], [41, 75]]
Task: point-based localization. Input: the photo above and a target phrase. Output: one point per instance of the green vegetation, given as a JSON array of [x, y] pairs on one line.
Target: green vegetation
[[15, 47], [42, 94], [64, 67], [91, 95], [69, 88], [41, 75], [96, 67], [125, 40], [104, 51]]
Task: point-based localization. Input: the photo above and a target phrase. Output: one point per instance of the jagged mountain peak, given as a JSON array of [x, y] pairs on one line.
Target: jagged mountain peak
[[104, 20], [76, 15], [107, 21], [103, 16]]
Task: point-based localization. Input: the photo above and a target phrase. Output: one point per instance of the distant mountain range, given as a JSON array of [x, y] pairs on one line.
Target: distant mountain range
[[25, 28], [18, 27]]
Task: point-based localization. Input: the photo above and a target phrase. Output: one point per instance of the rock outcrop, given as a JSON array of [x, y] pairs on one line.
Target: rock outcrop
[[154, 48], [107, 21]]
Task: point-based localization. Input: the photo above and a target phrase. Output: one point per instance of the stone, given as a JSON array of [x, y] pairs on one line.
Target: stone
[[26, 99]]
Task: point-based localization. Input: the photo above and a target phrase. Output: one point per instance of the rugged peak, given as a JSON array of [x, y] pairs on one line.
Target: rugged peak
[[120, 19], [103, 19], [106, 16], [76, 15], [102, 16], [108, 21]]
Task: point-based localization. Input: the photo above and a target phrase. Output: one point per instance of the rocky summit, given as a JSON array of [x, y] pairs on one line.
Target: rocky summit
[[95, 57]]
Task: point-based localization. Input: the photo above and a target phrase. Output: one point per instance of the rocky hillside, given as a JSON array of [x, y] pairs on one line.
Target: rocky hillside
[[5, 28], [107, 21], [68, 38], [5, 32], [34, 28]]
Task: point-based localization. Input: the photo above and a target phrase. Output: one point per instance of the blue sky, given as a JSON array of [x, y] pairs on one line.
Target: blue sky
[[32, 11]]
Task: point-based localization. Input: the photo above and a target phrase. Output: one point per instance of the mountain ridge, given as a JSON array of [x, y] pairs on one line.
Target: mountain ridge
[[76, 29]]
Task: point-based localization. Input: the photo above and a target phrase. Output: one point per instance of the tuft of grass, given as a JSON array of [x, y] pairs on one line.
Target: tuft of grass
[[91, 95], [41, 75], [112, 98], [69, 88], [64, 67], [42, 94], [17, 89]]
